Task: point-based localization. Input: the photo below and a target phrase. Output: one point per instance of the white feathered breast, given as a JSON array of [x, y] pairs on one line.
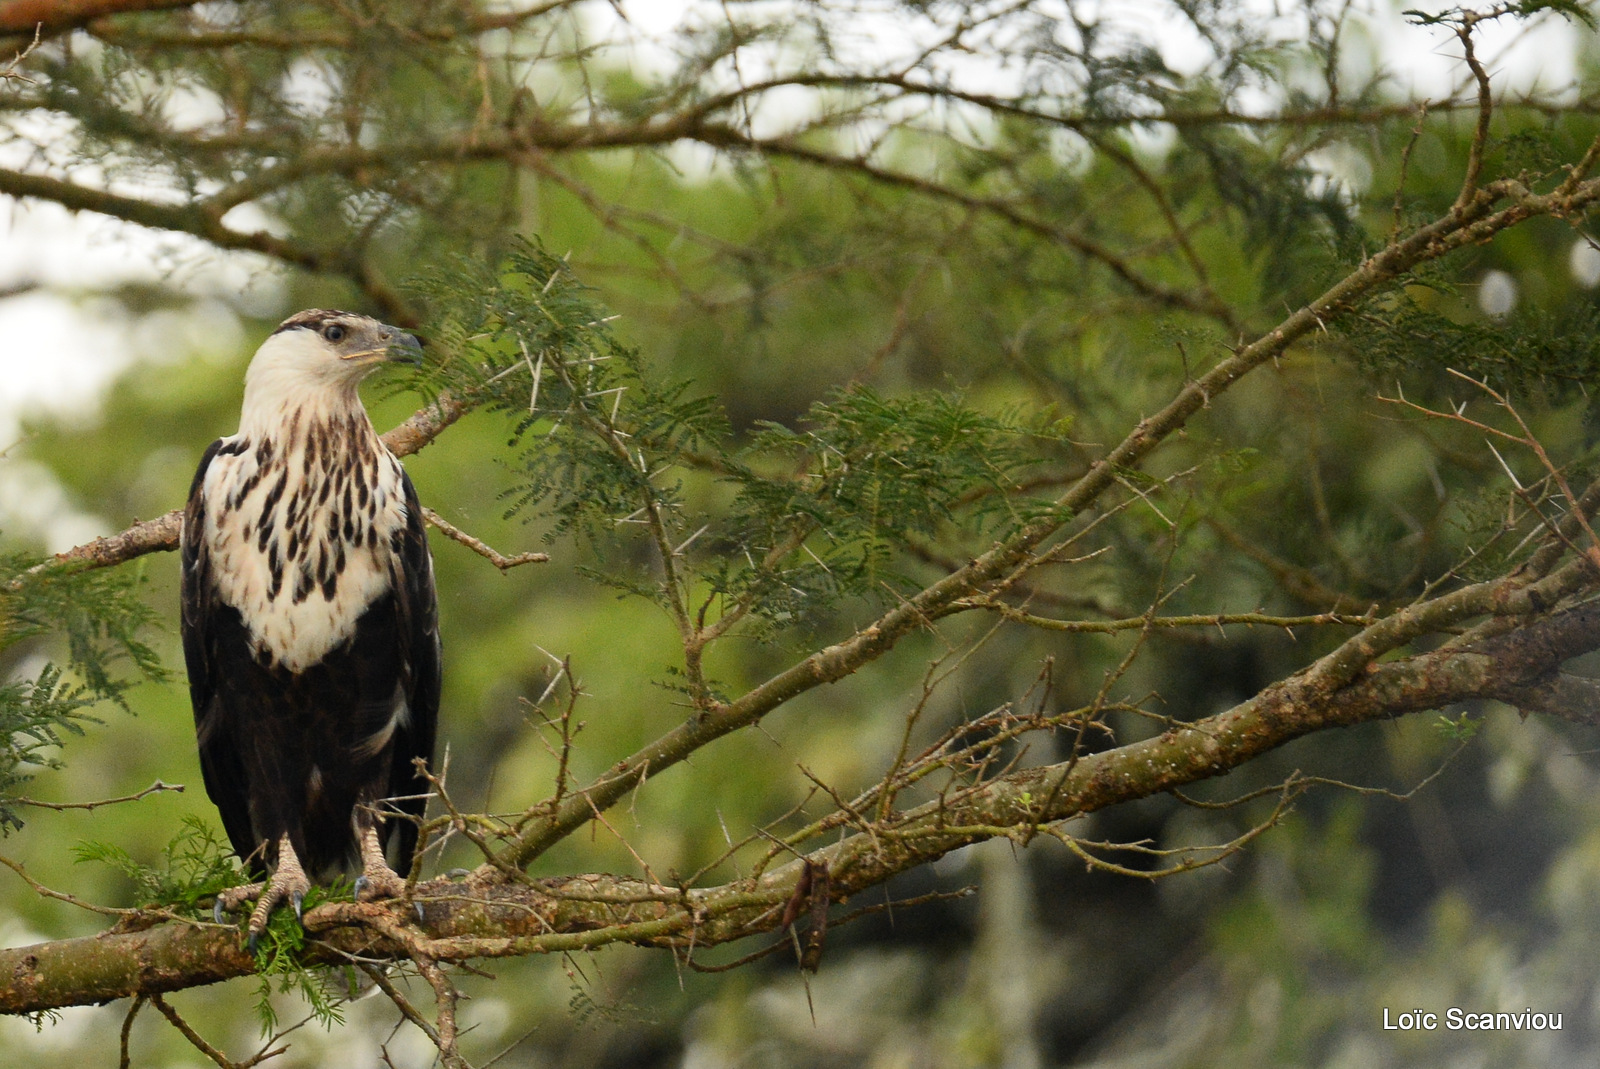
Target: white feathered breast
[[299, 527]]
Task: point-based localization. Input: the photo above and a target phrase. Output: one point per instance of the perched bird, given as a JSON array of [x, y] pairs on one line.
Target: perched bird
[[310, 626]]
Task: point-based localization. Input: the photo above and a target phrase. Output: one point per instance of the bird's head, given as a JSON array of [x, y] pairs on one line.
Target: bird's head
[[318, 357], [333, 347]]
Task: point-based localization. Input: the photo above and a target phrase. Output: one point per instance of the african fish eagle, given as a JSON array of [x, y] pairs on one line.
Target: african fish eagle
[[310, 626]]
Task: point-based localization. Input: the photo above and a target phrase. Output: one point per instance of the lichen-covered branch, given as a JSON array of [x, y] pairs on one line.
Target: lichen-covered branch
[[1141, 250], [482, 917], [1477, 222]]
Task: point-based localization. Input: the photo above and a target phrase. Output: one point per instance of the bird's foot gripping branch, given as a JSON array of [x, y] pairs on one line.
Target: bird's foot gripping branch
[[594, 415], [1123, 509]]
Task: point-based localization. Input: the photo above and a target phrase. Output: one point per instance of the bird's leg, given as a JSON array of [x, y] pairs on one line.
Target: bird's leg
[[288, 881], [377, 879]]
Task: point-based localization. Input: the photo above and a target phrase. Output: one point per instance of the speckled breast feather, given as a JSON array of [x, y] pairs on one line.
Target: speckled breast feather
[[300, 530]]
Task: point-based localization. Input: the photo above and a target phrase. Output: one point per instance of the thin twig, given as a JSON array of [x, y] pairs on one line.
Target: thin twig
[[199, 1043], [154, 788], [62, 896], [446, 1035], [479, 547], [125, 1061], [376, 974]]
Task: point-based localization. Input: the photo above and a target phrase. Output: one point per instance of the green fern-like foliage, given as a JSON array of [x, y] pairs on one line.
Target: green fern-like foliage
[[857, 481], [197, 865], [279, 966], [1555, 354], [777, 524], [34, 716], [97, 617]]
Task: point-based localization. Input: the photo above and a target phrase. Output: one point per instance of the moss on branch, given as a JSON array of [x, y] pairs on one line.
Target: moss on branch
[[482, 917]]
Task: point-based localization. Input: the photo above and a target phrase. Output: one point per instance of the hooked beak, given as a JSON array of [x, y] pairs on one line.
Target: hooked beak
[[405, 348], [398, 348]]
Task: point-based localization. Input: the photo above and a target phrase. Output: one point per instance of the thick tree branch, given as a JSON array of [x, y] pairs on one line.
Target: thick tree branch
[[115, 32], [1514, 653], [1573, 698], [51, 17], [203, 220], [1474, 224], [480, 918]]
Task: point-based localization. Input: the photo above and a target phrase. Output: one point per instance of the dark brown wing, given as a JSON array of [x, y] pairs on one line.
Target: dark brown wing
[[417, 632], [210, 630]]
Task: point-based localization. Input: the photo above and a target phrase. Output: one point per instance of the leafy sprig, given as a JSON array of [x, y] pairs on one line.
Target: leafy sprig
[[197, 865], [607, 449], [99, 617]]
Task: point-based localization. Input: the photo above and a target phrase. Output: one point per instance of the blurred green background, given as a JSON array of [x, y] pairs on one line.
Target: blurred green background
[[770, 283]]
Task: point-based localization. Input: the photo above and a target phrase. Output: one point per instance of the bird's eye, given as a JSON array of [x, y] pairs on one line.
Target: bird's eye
[[333, 332]]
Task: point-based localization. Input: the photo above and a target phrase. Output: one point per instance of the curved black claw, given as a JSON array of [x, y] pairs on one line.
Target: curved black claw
[[361, 884], [297, 899], [252, 943], [217, 912]]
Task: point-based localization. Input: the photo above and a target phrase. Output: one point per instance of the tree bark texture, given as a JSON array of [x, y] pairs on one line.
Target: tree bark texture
[[485, 916]]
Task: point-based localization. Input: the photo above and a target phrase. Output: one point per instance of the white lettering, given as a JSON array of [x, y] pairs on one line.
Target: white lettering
[[1456, 1018], [1410, 1021]]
